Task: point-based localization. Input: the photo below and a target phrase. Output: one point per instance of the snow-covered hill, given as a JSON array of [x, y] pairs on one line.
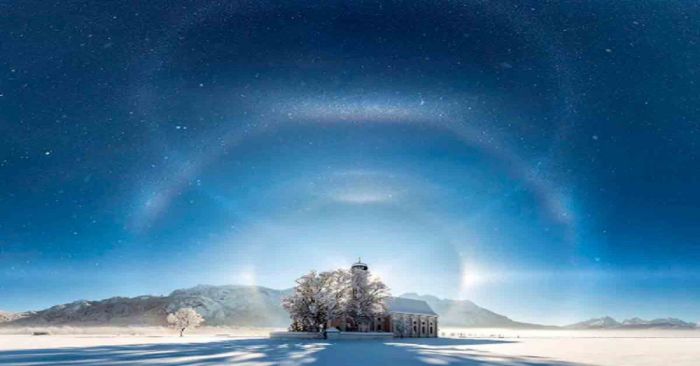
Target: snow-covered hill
[[633, 323], [234, 305], [220, 305], [605, 322], [6, 316], [464, 313]]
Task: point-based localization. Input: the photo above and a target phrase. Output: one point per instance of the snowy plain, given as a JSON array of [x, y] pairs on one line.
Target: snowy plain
[[479, 347]]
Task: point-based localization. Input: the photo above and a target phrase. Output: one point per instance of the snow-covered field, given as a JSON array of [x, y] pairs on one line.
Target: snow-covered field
[[532, 348]]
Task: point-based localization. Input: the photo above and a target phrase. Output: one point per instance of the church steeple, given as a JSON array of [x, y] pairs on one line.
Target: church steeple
[[359, 265]]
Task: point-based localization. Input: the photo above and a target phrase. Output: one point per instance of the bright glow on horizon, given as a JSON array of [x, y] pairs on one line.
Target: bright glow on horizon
[[471, 278], [247, 277]]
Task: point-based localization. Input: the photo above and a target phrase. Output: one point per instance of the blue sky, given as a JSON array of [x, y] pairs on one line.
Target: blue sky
[[537, 160]]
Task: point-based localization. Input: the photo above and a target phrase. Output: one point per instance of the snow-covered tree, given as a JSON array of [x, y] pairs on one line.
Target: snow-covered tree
[[303, 305], [317, 298], [366, 299], [336, 295], [185, 318]]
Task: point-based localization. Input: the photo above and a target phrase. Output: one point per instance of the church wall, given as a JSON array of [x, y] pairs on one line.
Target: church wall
[[413, 325]]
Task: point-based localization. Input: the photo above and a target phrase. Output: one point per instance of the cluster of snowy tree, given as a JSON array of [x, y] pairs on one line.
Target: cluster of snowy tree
[[350, 297]]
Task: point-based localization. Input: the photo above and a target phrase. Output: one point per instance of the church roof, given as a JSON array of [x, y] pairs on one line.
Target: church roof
[[411, 306]]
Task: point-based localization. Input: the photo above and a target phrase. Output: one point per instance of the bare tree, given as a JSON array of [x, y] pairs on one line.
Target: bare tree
[[185, 318]]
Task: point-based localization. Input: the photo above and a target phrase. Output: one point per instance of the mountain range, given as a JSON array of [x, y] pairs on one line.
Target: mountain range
[[261, 306], [633, 323], [219, 305], [464, 313]]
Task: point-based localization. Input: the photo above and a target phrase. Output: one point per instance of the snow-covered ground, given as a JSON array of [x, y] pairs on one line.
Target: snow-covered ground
[[533, 348]]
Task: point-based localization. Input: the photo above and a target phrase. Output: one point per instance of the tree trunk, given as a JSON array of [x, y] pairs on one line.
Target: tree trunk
[[182, 331]]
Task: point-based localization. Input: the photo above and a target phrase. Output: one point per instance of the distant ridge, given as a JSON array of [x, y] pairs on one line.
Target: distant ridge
[[633, 323], [464, 313], [6, 316], [236, 305], [605, 322]]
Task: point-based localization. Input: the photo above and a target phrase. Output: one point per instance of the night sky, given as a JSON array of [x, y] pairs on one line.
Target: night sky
[[542, 160]]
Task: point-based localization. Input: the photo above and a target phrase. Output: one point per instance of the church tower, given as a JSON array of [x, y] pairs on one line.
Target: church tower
[[359, 266]]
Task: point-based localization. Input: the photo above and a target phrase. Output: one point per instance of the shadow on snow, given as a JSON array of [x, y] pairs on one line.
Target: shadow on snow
[[436, 351]]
